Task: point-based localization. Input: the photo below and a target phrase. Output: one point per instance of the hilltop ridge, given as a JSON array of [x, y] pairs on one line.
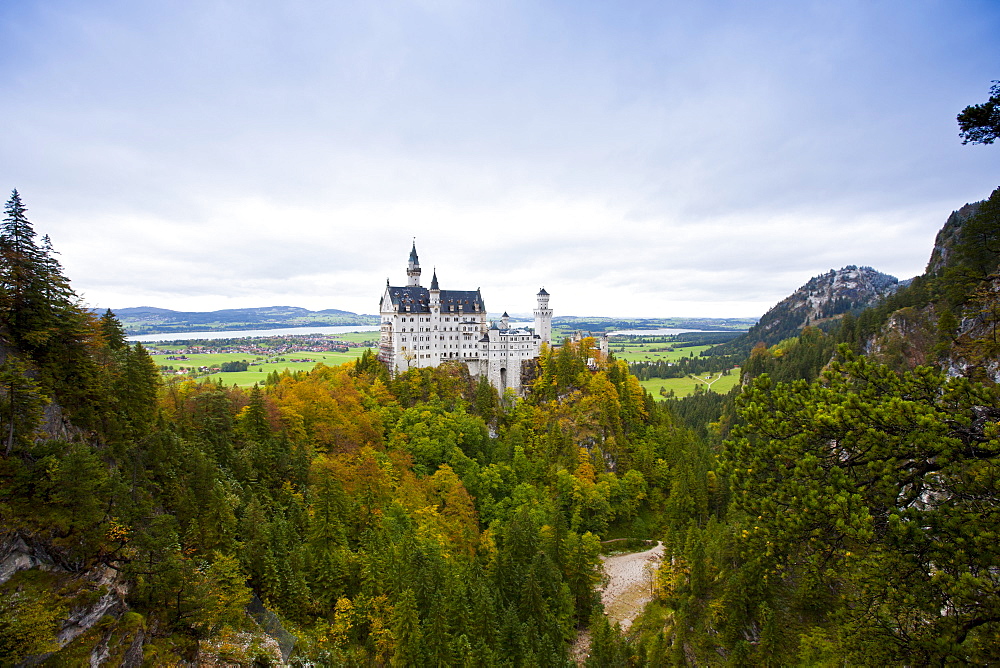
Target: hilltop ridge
[[821, 299], [153, 320]]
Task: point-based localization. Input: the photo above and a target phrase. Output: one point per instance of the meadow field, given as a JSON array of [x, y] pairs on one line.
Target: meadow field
[[652, 352], [654, 349], [683, 387], [263, 364]]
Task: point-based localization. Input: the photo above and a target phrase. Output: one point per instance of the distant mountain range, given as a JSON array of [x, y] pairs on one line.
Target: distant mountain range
[[151, 320], [570, 323]]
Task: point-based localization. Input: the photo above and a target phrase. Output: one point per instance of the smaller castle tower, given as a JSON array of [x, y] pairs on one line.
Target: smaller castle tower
[[543, 317], [435, 295], [413, 267]]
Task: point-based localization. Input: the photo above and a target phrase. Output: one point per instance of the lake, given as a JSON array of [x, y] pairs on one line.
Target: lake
[[663, 331]]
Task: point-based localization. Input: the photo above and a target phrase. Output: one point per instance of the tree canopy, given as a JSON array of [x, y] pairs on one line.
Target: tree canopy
[[980, 123]]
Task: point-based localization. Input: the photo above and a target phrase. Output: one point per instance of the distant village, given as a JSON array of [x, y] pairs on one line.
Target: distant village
[[260, 346]]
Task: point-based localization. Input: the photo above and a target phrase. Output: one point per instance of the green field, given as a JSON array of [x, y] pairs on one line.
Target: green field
[[682, 387], [266, 364], [644, 353]]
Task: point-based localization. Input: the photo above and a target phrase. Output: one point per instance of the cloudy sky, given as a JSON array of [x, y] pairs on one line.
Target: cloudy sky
[[661, 158]]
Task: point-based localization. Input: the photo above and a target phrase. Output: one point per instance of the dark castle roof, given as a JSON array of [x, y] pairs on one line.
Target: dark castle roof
[[418, 298]]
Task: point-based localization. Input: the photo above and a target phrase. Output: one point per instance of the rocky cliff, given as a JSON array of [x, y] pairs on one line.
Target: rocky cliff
[[822, 299], [948, 235]]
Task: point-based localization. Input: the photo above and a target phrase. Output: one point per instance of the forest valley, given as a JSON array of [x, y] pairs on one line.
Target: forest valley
[[838, 507]]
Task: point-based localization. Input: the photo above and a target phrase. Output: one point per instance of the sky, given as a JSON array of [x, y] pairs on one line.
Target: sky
[[635, 159]]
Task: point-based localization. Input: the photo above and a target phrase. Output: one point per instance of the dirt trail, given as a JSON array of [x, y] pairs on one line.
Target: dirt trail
[[630, 584], [628, 589]]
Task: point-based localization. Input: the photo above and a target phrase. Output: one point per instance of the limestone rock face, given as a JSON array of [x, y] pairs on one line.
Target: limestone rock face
[[822, 298], [91, 594], [948, 235]]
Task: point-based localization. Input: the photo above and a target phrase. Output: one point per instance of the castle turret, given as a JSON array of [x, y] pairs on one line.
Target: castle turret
[[435, 293], [413, 267], [543, 317]]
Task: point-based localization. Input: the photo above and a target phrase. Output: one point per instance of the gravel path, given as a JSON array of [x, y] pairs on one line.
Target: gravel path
[[626, 593], [629, 586]]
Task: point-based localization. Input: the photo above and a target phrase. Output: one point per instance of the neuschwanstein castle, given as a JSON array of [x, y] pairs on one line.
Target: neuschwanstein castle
[[425, 327]]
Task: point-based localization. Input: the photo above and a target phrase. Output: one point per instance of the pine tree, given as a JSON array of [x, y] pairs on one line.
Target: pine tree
[[406, 631], [21, 404], [56, 286], [18, 233], [40, 316], [21, 258], [111, 329], [140, 381], [878, 490]]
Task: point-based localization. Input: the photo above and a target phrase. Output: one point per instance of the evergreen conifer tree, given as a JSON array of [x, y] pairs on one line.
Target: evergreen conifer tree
[[20, 262], [111, 328]]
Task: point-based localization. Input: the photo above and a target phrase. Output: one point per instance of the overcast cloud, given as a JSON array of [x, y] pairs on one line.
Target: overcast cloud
[[634, 158]]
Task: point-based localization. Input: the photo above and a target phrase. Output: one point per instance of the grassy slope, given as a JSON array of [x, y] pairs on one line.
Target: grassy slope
[[643, 353], [682, 387]]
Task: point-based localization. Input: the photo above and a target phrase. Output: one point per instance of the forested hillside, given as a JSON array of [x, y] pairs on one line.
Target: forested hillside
[[421, 520], [839, 508], [860, 471]]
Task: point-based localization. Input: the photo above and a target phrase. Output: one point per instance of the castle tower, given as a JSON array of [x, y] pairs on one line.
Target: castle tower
[[434, 307], [435, 293], [543, 317], [413, 267]]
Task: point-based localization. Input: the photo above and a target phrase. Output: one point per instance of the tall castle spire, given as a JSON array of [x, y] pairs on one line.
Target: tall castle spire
[[413, 267], [435, 295]]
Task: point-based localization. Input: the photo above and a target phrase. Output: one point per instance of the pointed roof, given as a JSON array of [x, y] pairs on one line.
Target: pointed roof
[[413, 253], [418, 299], [434, 280], [542, 292]]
